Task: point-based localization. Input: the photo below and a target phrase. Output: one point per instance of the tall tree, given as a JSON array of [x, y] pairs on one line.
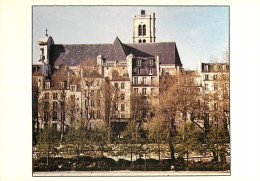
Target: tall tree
[[170, 87], [48, 140], [157, 133], [189, 139], [99, 135]]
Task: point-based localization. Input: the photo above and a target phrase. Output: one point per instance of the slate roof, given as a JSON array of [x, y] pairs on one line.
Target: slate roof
[[72, 55]]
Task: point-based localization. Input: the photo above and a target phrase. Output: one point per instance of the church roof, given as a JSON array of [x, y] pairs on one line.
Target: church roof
[[73, 54]]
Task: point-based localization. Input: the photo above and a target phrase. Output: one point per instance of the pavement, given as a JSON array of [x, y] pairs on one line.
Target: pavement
[[129, 173]]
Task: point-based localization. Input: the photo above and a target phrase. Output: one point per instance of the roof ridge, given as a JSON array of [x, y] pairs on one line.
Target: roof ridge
[[87, 44]]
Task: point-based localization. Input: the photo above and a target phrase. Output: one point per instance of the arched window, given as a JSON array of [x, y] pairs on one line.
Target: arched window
[[140, 41], [144, 30], [144, 41], [140, 30]]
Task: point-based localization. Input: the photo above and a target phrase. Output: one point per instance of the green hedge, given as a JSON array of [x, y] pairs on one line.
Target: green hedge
[[108, 164]]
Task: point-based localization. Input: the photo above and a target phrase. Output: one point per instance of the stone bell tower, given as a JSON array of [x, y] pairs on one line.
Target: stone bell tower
[[144, 28]]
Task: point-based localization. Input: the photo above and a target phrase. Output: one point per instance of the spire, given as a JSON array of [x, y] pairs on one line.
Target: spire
[[46, 32]]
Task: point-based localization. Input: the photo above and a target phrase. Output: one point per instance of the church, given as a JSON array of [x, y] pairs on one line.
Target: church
[[96, 82]]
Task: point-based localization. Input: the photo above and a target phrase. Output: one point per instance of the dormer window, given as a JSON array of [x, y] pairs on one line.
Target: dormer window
[[139, 62], [224, 67], [47, 85], [151, 62], [206, 68], [73, 88]]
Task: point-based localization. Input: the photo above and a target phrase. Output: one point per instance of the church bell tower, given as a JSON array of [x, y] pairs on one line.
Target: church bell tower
[[144, 28]]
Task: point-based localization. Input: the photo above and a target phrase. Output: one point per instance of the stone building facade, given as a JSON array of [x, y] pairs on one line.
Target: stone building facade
[[71, 80]]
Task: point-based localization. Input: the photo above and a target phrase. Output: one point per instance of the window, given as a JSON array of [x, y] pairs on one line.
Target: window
[[144, 41], [93, 114], [61, 85], [206, 77], [47, 85], [122, 96], [115, 108], [215, 86], [144, 80], [140, 30], [116, 85], [62, 104], [92, 103], [206, 86], [136, 91], [224, 67], [73, 88], [139, 62], [135, 80], [150, 71], [152, 80], [46, 95], [122, 85], [215, 106], [55, 105], [140, 41], [144, 91], [62, 116], [144, 31], [206, 68], [122, 107], [152, 91], [46, 105], [139, 71], [54, 116], [215, 77], [86, 103], [72, 98], [98, 114], [42, 53], [151, 62], [54, 96]]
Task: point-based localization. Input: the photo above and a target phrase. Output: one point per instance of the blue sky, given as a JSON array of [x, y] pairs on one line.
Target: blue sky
[[200, 32]]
